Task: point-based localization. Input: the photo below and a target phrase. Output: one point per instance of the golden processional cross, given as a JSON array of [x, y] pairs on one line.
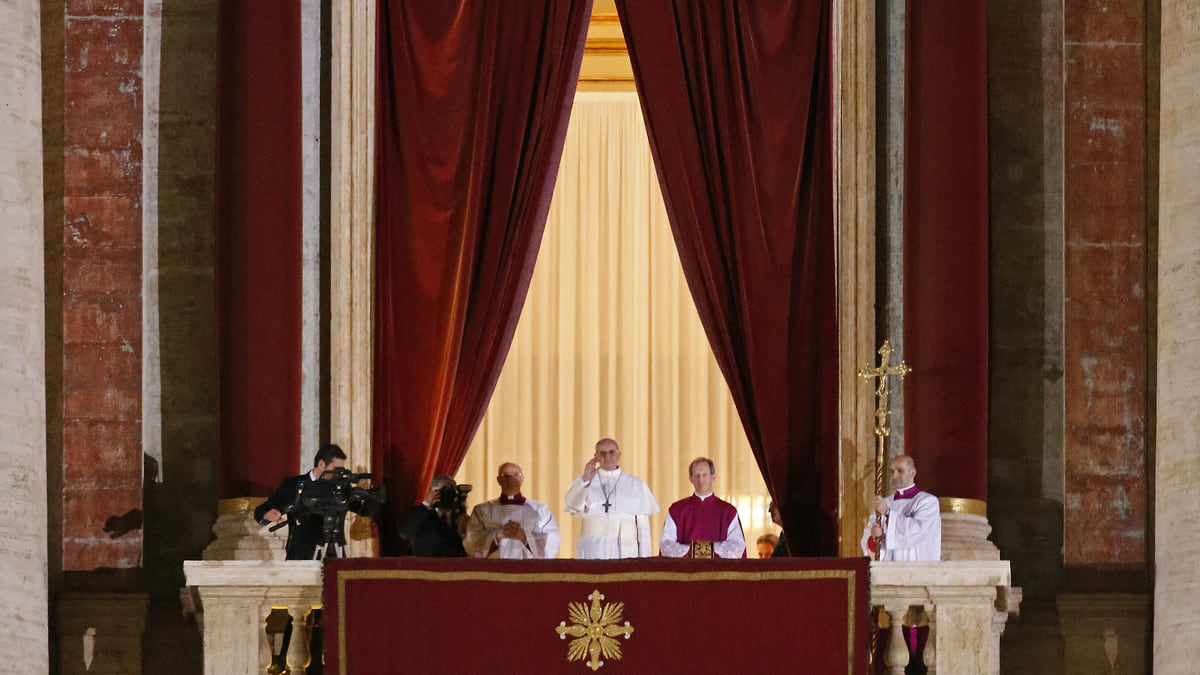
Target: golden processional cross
[[882, 431]]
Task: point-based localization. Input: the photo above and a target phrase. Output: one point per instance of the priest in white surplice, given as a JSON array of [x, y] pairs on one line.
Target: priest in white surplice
[[614, 508], [910, 521], [512, 526]]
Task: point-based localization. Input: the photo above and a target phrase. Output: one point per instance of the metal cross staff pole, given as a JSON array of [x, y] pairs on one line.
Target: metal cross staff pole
[[882, 431]]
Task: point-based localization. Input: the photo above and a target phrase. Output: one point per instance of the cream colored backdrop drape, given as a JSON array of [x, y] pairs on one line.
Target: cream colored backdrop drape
[[610, 344]]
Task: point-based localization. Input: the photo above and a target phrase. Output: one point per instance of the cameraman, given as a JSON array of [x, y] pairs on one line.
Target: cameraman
[[435, 527], [304, 531]]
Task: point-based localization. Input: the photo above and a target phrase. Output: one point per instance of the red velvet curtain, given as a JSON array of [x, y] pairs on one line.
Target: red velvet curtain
[[258, 238], [946, 246], [473, 99], [736, 97]]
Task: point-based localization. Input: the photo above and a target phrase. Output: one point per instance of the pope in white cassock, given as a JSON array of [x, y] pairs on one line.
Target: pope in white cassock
[[512, 526], [910, 521], [614, 508]]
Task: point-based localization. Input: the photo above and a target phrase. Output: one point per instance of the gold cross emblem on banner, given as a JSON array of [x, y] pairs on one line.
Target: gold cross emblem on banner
[[594, 631]]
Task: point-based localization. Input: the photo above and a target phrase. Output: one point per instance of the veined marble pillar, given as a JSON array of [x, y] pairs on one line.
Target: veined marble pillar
[[1177, 459], [352, 240], [23, 566]]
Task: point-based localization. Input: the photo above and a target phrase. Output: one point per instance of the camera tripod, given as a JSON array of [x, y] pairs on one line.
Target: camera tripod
[[323, 550]]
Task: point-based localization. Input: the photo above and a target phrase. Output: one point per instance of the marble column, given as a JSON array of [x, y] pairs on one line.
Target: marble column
[[352, 242], [1177, 462], [23, 556]]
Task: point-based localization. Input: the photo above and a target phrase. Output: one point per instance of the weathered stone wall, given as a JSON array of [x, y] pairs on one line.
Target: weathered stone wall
[[23, 626], [1070, 114], [180, 503], [129, 135], [101, 233], [182, 507], [1025, 439], [1105, 228]]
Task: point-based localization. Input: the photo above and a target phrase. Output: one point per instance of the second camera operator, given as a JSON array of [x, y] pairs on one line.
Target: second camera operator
[[306, 525], [435, 527]]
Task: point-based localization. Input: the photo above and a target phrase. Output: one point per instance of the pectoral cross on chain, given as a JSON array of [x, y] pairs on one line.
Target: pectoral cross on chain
[[608, 492]]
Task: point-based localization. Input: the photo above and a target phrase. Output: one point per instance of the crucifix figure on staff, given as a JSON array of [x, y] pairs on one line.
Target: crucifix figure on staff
[[882, 430]]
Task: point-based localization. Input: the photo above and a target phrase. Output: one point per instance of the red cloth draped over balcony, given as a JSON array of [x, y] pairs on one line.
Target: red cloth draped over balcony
[[473, 99], [736, 97], [426, 615]]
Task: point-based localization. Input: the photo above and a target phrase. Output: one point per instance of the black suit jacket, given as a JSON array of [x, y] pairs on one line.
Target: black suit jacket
[[429, 535], [781, 549], [304, 531]]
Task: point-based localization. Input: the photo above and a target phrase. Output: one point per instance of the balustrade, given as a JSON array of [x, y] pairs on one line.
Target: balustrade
[[966, 604]]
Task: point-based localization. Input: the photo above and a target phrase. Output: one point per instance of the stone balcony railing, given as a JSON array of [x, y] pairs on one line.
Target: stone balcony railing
[[966, 604], [237, 596]]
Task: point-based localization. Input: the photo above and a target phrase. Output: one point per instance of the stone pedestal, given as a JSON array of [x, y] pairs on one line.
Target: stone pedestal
[[239, 537], [965, 530], [101, 632]]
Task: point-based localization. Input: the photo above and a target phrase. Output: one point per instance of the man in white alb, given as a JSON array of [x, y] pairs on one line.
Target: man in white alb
[[910, 521], [614, 507], [512, 526]]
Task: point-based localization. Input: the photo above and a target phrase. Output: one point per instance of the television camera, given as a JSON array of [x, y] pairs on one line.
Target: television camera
[[329, 498]]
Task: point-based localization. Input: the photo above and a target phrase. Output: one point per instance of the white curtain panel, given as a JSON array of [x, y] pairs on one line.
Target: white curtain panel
[[610, 344]]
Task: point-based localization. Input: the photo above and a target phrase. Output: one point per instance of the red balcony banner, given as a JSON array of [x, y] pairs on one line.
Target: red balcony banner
[[420, 615]]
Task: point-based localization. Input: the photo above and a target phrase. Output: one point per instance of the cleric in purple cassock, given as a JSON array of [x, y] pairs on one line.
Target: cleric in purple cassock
[[702, 517]]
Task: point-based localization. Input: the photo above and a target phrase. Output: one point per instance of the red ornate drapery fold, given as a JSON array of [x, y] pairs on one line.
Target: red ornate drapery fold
[[473, 99], [736, 97]]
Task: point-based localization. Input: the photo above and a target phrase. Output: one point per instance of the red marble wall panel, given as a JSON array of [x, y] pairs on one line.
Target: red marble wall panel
[[1105, 282], [114, 443], [102, 282]]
